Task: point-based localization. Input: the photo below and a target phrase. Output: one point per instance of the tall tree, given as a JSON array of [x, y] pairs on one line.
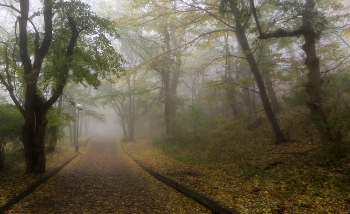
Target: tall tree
[[311, 26], [161, 50], [129, 97], [68, 23], [241, 18]]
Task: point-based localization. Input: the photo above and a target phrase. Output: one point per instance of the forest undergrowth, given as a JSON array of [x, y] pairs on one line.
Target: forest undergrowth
[[246, 171]]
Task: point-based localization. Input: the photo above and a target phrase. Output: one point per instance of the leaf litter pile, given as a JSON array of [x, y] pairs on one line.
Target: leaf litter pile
[[103, 179], [274, 181]]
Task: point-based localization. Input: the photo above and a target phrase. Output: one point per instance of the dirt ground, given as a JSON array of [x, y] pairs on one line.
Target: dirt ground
[[103, 179]]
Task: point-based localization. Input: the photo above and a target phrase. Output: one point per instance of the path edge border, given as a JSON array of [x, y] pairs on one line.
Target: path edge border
[[87, 140], [200, 198], [31, 187]]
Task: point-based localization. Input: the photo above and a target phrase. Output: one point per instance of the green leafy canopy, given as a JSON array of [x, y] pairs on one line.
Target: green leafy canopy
[[94, 56]]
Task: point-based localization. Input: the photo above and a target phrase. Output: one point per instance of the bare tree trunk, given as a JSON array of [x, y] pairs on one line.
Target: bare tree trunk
[[167, 103], [229, 78], [33, 135], [124, 128], [131, 114], [243, 41], [35, 108], [271, 92]]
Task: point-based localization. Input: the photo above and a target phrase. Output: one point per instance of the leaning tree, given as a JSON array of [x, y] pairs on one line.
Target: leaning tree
[[61, 42]]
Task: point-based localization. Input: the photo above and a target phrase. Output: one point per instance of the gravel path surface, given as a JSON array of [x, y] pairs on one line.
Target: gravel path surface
[[105, 180]]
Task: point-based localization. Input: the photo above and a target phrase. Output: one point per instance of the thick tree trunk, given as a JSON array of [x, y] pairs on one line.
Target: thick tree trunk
[[34, 112], [242, 39], [171, 74], [314, 85], [33, 136], [169, 104]]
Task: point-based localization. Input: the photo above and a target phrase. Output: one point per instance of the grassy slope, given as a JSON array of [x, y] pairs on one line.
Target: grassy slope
[[245, 171]]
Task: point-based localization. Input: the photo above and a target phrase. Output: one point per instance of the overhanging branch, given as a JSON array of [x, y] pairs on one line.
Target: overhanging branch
[[281, 33]]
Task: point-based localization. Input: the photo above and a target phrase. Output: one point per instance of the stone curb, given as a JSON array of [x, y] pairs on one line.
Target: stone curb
[[214, 206], [30, 188]]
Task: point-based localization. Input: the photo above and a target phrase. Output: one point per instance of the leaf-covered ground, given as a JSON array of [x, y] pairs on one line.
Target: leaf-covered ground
[[12, 177], [271, 182], [103, 179]]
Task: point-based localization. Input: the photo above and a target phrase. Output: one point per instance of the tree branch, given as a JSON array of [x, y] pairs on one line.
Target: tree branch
[[253, 9], [63, 74], [48, 27], [210, 13], [8, 84], [281, 33], [11, 7], [23, 38]]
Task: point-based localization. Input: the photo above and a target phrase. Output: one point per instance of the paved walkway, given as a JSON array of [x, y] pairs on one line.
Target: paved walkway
[[105, 180]]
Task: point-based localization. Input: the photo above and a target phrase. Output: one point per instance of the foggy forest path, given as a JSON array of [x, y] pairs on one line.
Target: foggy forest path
[[105, 180]]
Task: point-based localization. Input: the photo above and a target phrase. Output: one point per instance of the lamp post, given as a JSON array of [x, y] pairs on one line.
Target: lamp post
[[79, 108]]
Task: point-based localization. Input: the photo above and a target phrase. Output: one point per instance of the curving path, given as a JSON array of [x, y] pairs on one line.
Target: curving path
[[105, 180]]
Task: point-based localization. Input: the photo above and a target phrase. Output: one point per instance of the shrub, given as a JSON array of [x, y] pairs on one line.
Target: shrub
[[10, 127]]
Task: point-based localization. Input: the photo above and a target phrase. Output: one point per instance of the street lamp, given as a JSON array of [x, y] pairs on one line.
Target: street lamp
[[80, 108]]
